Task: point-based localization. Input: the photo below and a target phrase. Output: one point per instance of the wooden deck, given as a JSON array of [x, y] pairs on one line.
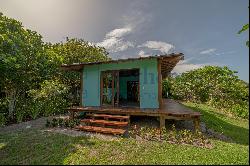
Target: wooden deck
[[171, 109]]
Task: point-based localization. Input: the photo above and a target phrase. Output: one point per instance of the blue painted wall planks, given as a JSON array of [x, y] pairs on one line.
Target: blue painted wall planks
[[148, 81]]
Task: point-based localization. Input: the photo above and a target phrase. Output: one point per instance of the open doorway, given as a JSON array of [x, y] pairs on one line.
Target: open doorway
[[122, 83], [129, 88]]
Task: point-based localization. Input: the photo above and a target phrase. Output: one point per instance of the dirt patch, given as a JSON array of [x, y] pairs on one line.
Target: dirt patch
[[33, 124], [213, 134], [76, 133], [39, 124]]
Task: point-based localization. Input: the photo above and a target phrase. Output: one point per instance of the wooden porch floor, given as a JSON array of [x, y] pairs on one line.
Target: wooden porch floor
[[171, 109]]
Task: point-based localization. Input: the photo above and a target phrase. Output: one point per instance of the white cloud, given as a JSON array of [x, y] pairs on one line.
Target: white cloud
[[187, 65], [184, 66], [114, 40], [120, 32], [223, 53], [185, 61], [133, 20], [208, 51], [180, 68], [158, 45], [142, 54], [213, 51]]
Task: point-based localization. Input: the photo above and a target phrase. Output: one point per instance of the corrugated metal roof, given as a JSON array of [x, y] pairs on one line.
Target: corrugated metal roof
[[165, 58]]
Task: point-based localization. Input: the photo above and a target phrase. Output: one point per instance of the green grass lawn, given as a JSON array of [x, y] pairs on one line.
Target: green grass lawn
[[40, 147], [237, 129]]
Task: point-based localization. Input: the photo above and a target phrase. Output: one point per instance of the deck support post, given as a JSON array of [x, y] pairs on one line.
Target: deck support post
[[162, 122], [197, 124]]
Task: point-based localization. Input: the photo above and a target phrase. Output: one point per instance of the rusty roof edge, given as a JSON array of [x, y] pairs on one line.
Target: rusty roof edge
[[120, 60]]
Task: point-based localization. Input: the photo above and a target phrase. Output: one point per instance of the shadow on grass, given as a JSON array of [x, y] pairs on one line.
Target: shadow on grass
[[38, 147], [220, 123]]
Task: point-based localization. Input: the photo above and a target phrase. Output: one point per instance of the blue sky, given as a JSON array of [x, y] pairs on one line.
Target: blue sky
[[204, 30]]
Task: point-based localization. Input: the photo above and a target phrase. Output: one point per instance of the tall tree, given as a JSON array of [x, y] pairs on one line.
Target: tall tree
[[22, 59], [76, 51], [26, 61]]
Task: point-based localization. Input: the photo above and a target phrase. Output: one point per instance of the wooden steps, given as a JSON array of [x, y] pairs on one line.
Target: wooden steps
[[101, 129], [106, 116], [104, 123]]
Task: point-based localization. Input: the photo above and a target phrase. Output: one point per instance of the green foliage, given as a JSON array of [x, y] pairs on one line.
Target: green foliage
[[166, 85], [22, 54], [172, 136], [4, 106], [2, 119], [216, 86], [35, 108], [240, 110], [24, 60], [28, 66], [21, 112], [76, 51], [244, 28], [20, 116], [247, 43], [50, 99]]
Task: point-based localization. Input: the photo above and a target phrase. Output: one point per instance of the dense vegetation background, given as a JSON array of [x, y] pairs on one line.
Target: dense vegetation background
[[32, 84], [215, 86]]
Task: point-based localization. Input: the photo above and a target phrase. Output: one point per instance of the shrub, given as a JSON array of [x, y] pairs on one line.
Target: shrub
[[20, 116], [26, 107], [240, 110], [35, 108], [21, 109], [213, 85], [50, 99], [166, 84], [2, 119], [3, 111], [47, 100], [4, 105], [171, 136]]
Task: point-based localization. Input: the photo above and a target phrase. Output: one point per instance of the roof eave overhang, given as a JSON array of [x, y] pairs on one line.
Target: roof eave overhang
[[169, 59]]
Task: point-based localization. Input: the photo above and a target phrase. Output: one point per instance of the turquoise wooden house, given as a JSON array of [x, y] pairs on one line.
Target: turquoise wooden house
[[134, 82], [130, 86]]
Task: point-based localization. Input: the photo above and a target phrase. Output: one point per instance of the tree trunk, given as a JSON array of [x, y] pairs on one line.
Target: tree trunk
[[12, 103]]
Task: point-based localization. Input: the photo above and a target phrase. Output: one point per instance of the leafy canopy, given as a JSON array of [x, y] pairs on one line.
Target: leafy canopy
[[23, 56], [27, 64], [214, 85]]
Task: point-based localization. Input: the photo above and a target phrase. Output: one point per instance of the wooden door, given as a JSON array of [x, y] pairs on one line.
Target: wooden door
[[110, 88]]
